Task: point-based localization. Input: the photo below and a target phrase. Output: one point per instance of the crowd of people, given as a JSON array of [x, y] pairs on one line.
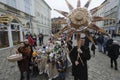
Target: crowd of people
[[108, 46], [53, 57], [36, 38]]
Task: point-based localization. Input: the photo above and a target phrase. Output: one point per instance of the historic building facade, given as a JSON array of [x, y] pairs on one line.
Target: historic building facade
[[118, 20], [35, 16], [10, 36], [110, 9], [101, 14], [42, 19]]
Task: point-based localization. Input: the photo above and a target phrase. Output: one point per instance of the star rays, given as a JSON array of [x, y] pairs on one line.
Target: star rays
[[82, 14]]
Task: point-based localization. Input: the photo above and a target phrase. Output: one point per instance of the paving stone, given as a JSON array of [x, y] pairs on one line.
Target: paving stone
[[98, 68]]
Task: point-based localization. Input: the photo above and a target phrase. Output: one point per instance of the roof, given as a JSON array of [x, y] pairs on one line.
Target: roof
[[47, 4], [59, 20]]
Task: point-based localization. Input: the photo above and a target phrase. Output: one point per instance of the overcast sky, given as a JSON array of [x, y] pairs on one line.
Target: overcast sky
[[61, 5]]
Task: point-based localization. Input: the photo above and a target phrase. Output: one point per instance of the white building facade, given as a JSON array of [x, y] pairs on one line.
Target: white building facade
[[42, 20], [110, 10], [23, 10], [101, 14], [118, 18], [26, 6], [35, 15]]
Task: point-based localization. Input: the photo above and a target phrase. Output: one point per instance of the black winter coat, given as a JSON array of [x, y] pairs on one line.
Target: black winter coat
[[80, 70], [113, 51]]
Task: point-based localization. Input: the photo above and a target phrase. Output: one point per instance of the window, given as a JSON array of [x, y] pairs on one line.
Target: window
[[4, 39], [12, 26], [15, 27], [15, 33], [113, 21], [105, 23], [110, 22], [15, 37]]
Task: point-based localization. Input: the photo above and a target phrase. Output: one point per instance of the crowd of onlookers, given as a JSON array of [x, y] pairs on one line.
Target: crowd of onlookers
[[107, 45], [53, 57]]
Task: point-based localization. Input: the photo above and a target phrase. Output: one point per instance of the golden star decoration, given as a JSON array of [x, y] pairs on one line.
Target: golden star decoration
[[81, 20]]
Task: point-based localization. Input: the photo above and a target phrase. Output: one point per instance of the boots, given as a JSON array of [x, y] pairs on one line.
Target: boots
[[111, 66], [116, 68]]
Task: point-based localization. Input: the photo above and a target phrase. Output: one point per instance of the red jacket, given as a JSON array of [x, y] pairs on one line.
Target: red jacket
[[30, 41]]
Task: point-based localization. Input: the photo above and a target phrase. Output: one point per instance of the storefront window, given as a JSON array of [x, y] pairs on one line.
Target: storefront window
[[4, 39], [15, 33], [12, 26], [15, 37]]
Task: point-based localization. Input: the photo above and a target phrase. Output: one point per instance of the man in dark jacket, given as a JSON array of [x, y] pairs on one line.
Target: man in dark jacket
[[113, 53], [79, 62], [41, 38]]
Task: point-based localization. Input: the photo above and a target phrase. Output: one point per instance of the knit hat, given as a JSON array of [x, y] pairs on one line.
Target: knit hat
[[34, 54]]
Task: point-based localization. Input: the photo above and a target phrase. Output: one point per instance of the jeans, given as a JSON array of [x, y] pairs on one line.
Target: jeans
[[61, 76], [100, 47]]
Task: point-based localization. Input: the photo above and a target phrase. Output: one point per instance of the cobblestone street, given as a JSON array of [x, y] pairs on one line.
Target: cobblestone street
[[98, 67]]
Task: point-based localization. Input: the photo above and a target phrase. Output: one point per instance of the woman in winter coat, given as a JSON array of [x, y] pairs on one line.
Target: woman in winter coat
[[24, 63], [79, 68], [113, 53]]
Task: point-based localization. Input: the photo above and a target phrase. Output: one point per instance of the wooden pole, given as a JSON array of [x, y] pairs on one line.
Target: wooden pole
[[79, 45]]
